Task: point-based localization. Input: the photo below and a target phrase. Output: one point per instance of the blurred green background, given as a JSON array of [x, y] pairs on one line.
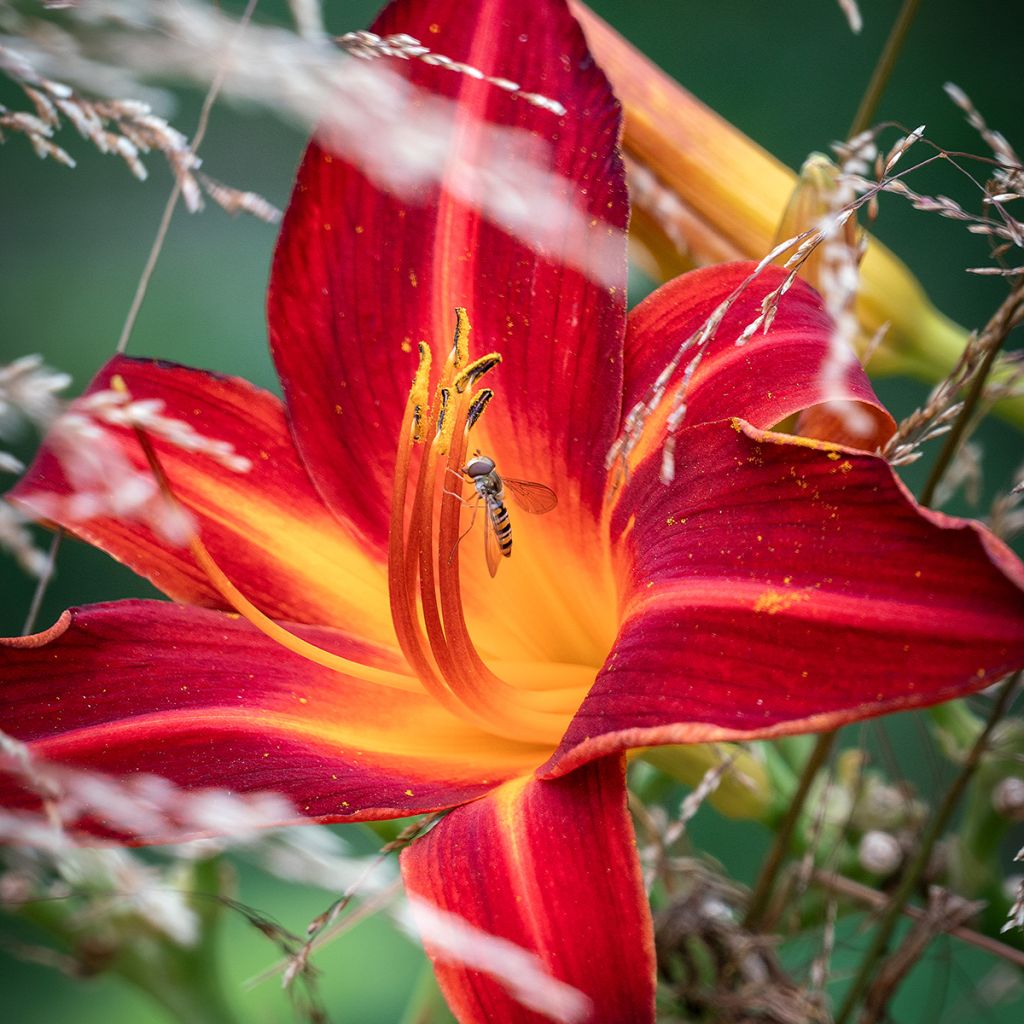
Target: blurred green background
[[72, 244]]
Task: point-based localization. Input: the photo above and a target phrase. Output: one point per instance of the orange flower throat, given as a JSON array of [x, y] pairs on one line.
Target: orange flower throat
[[423, 563]]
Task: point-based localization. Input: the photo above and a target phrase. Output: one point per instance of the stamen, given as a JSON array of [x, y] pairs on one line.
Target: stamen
[[489, 688], [419, 394], [403, 610], [443, 398], [505, 709]]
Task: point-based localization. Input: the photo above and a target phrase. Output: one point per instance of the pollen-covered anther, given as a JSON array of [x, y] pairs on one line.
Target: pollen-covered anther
[[419, 394], [476, 369], [477, 406], [460, 346], [444, 423]]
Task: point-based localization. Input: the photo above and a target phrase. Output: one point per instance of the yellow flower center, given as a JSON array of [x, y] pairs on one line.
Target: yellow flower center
[[423, 566]]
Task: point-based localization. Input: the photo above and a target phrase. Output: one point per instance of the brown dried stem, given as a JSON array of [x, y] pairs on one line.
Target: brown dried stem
[[916, 868], [945, 911], [873, 898]]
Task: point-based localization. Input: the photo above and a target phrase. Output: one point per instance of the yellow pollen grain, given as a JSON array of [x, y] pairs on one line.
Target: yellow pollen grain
[[303, 700], [845, 466], [834, 456], [406, 345], [772, 601], [787, 579], [337, 410], [413, 279], [409, 792], [434, 28]]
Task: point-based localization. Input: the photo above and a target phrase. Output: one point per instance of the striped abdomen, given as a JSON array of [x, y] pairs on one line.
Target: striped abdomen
[[499, 520]]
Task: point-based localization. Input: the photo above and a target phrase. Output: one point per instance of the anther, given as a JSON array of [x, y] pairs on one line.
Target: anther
[[419, 392], [444, 396], [476, 369], [460, 348], [477, 406]]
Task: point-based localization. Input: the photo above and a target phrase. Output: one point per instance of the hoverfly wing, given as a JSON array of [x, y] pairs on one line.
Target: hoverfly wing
[[492, 548], [531, 497]]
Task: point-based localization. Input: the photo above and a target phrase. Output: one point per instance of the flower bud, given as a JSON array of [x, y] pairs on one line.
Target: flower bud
[[879, 853], [718, 195], [1008, 798]]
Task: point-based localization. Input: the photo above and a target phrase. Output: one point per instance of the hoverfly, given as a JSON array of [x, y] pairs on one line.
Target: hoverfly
[[491, 488]]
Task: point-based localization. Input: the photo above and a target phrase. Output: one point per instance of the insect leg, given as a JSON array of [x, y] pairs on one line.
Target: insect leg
[[472, 520]]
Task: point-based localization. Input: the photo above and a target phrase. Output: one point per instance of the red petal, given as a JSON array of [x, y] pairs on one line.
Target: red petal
[[200, 698], [267, 528], [362, 275], [551, 867], [769, 377], [781, 586]]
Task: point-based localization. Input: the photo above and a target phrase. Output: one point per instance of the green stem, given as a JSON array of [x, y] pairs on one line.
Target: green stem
[[883, 69], [426, 1004], [916, 868], [186, 981], [765, 884], [991, 341], [956, 728]]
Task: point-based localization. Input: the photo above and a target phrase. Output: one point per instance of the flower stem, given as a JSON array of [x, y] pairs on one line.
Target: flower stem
[[996, 331], [186, 980], [784, 836], [916, 868], [883, 69], [426, 1005]]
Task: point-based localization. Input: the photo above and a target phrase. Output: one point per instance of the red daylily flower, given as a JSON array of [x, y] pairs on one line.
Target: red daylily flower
[[776, 585]]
